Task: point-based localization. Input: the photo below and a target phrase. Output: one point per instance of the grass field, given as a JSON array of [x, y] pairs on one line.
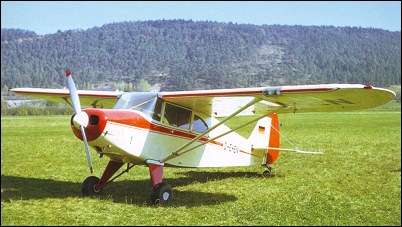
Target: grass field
[[356, 182]]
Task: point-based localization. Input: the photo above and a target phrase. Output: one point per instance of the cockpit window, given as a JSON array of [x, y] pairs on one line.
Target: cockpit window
[[141, 101], [176, 116], [149, 104]]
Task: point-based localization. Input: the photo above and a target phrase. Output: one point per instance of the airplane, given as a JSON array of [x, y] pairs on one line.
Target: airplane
[[187, 128]]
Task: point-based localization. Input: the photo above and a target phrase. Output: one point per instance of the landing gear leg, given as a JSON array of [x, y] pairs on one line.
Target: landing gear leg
[[162, 193], [268, 172]]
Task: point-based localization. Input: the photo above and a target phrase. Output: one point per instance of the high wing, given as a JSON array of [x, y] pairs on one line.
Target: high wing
[[223, 102], [282, 99], [96, 99]]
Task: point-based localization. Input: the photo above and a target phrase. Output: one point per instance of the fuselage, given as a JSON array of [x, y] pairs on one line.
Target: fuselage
[[133, 137]]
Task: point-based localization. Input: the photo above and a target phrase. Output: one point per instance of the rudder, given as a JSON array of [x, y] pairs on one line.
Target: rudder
[[274, 141]]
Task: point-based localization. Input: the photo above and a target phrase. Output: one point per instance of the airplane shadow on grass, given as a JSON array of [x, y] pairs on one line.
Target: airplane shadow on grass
[[125, 191]]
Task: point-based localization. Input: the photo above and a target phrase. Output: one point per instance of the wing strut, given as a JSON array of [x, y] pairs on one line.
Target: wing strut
[[176, 152], [295, 150], [223, 134]]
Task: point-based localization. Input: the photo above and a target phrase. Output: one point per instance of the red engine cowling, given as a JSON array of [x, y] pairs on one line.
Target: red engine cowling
[[99, 117]]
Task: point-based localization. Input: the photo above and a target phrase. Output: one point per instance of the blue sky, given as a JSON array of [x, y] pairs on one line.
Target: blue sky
[[49, 17]]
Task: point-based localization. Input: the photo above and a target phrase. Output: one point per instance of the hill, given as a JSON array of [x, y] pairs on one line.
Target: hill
[[181, 55]]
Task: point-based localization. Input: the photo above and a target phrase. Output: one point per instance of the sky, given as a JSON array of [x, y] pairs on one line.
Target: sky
[[48, 17]]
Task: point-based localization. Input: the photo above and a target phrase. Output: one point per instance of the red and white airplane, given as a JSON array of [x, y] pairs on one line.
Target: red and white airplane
[[181, 129]]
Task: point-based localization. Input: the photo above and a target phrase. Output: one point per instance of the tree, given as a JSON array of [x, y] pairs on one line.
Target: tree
[[143, 85]]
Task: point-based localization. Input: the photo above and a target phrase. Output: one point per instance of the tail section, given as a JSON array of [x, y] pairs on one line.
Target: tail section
[[274, 142], [260, 136], [266, 135]]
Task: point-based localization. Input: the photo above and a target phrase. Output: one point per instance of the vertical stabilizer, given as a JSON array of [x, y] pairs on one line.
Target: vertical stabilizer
[[274, 142], [264, 136], [259, 138]]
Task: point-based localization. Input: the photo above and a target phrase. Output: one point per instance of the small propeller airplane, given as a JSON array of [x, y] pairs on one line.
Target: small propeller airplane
[[187, 128]]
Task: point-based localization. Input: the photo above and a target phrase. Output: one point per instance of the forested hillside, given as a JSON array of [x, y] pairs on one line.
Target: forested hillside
[[181, 55]]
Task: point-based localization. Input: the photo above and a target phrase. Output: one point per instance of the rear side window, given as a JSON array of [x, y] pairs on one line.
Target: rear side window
[[199, 124]]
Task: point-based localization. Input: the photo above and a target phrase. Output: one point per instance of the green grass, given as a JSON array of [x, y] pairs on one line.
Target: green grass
[[356, 182]]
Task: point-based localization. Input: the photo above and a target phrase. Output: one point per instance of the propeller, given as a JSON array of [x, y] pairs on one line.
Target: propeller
[[80, 118]]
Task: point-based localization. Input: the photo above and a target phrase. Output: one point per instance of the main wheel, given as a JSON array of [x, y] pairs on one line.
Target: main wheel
[[162, 194], [88, 186]]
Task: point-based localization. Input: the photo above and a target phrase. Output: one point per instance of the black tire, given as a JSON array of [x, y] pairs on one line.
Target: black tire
[[88, 186], [267, 173], [162, 194]]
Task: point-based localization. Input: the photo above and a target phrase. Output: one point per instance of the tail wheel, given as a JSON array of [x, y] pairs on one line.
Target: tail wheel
[[267, 173], [88, 186], [162, 194]]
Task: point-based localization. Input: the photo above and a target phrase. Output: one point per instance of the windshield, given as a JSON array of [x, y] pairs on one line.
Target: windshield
[[141, 101], [173, 115]]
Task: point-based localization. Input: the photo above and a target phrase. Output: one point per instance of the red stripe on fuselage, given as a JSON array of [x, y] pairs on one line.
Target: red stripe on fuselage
[[172, 132], [138, 121], [130, 118]]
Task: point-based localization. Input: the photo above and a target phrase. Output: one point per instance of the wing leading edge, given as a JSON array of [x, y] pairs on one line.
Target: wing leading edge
[[96, 99], [283, 99]]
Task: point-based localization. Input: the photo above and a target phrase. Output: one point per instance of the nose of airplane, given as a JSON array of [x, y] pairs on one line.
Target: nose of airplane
[[95, 124], [80, 119]]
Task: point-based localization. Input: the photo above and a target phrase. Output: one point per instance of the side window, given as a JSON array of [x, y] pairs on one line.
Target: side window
[[169, 116], [156, 114], [199, 124], [176, 116]]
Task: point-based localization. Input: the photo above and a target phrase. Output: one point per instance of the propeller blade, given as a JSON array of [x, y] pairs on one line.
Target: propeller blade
[[73, 92], [80, 118], [87, 149]]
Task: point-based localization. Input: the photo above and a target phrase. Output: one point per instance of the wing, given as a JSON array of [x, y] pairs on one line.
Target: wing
[[96, 99], [283, 99]]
